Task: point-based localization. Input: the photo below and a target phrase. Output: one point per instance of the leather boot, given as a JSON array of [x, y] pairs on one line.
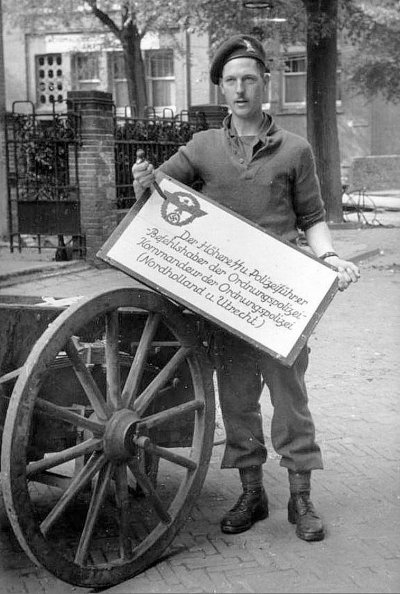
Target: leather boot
[[301, 510], [251, 506]]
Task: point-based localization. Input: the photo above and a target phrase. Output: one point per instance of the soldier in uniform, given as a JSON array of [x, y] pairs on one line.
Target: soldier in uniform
[[266, 175]]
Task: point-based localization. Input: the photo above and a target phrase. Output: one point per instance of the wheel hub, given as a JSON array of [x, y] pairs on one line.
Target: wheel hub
[[119, 443]]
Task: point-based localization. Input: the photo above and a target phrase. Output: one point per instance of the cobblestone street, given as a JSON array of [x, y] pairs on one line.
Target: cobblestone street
[[353, 383]]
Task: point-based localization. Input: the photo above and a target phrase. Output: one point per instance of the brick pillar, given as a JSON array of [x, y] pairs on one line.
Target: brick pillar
[[96, 168]]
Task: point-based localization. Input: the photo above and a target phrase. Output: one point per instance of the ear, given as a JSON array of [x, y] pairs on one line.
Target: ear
[[221, 87]]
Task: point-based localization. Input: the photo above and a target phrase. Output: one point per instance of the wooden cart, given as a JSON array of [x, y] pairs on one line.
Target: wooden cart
[[109, 428], [107, 416]]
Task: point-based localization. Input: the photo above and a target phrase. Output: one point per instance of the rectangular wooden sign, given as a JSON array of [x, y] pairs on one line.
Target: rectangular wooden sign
[[221, 266]]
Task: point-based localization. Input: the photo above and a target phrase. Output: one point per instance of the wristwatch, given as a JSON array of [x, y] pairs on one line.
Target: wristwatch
[[328, 255]]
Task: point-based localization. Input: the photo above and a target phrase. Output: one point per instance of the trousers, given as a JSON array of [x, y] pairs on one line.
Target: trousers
[[240, 370]]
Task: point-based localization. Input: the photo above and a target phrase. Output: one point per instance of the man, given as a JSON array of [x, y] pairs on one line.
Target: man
[[268, 176]]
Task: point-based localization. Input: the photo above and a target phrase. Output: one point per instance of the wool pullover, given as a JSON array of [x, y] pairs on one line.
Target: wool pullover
[[277, 188]]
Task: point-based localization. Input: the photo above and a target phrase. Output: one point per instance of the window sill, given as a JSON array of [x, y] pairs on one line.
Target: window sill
[[292, 111]]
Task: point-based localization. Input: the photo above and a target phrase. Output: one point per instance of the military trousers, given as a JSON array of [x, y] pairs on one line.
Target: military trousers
[[241, 371]]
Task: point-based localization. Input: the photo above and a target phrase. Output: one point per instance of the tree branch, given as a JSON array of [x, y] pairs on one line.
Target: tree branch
[[104, 18]]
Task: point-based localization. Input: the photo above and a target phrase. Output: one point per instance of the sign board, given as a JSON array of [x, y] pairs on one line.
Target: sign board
[[223, 267]]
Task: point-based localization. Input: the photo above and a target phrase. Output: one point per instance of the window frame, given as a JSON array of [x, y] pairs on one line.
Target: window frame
[[148, 54], [82, 84], [303, 104], [285, 75], [113, 80]]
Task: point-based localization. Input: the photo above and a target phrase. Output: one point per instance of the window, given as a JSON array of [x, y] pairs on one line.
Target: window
[[49, 79], [294, 83], [85, 72], [160, 77], [118, 79]]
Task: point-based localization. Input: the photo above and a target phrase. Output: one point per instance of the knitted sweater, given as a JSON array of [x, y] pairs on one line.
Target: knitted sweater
[[277, 188]]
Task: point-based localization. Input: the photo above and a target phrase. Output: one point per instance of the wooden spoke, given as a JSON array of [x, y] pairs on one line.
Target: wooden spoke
[[169, 414], [137, 368], [96, 501], [147, 396], [112, 360], [165, 453], [64, 414], [11, 376], [148, 488], [122, 497], [88, 384], [87, 472], [82, 449]]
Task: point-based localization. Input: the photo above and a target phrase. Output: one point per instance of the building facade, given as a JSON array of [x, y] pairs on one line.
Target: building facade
[[45, 61]]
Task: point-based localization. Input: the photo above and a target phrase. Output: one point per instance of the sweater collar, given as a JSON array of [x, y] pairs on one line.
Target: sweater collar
[[267, 129]]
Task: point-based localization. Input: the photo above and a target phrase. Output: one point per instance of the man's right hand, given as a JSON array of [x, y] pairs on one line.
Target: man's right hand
[[143, 173]]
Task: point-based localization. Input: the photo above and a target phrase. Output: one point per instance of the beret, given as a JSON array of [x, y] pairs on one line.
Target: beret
[[238, 46]]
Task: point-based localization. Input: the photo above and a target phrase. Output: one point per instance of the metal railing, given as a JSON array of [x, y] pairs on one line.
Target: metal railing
[[159, 137], [42, 173]]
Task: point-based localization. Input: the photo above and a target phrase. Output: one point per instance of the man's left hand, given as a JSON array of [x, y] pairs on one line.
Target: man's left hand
[[348, 272]]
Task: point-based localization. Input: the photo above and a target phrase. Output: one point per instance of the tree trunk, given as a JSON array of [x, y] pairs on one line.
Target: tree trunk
[[135, 71], [322, 129]]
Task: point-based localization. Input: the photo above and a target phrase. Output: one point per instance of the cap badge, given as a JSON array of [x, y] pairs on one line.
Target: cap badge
[[249, 47]]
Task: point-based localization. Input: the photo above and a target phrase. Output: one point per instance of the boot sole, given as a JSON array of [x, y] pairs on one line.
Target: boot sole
[[311, 537], [307, 536], [238, 529]]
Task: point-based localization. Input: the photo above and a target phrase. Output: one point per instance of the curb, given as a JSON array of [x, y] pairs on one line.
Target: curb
[[345, 225], [26, 275], [51, 270], [366, 255]]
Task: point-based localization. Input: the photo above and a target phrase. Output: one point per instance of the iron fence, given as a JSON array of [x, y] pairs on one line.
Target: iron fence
[[42, 154], [42, 175], [159, 137]]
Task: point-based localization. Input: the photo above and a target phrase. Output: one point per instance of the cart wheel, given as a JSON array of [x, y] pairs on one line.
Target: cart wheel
[[78, 491]]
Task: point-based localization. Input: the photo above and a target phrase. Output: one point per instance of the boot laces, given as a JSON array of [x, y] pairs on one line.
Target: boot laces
[[245, 499], [305, 505]]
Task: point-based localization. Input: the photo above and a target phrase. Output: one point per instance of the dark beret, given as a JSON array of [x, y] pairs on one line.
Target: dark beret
[[238, 46]]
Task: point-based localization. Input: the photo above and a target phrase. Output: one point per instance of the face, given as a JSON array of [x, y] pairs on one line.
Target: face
[[243, 87]]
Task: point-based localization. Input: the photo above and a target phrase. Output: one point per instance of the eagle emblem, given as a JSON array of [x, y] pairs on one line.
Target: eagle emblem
[[180, 208]]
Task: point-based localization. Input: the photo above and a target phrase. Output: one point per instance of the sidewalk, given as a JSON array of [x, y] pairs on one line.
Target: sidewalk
[[30, 266], [353, 383], [17, 266]]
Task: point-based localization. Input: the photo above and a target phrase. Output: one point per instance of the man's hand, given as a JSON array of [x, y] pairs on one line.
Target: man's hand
[[348, 272], [142, 171]]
